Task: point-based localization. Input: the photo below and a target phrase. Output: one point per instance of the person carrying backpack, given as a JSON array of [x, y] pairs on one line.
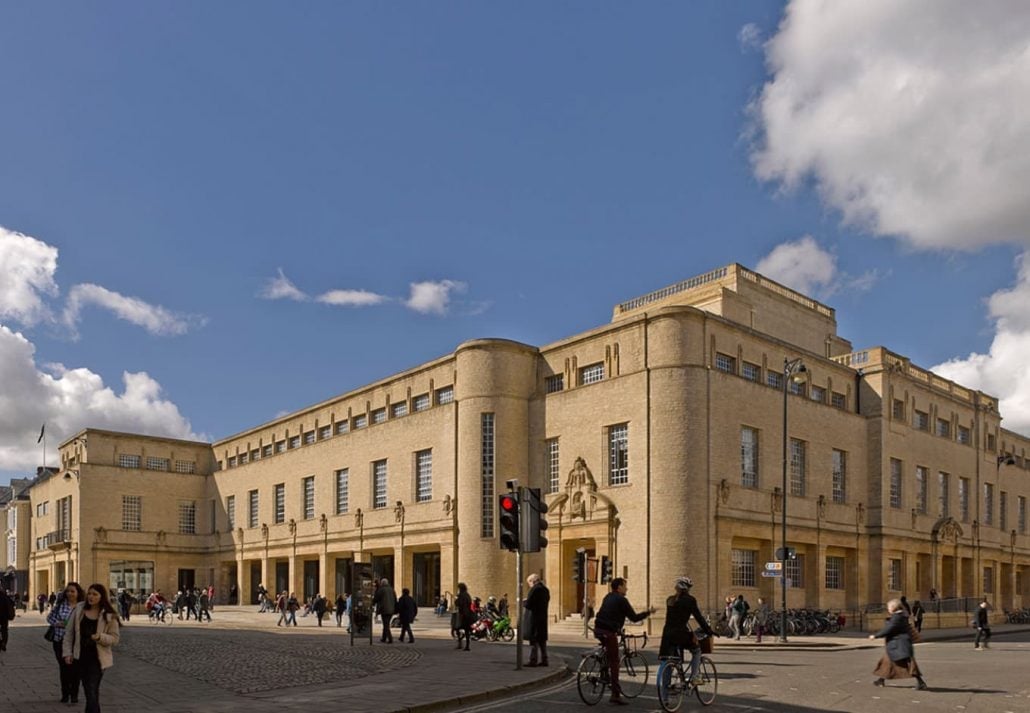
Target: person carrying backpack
[[738, 610]]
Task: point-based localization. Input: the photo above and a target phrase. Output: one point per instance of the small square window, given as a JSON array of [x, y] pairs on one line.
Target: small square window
[[420, 402], [725, 363], [554, 383], [838, 400], [920, 420], [309, 438], [266, 451], [379, 415], [325, 432], [818, 394], [751, 372], [255, 454], [342, 426], [963, 435], [774, 379], [360, 421], [444, 395], [591, 374], [294, 442], [898, 410], [280, 446], [399, 409]]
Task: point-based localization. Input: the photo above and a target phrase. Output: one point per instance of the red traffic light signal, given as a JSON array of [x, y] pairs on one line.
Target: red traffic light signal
[[509, 521]]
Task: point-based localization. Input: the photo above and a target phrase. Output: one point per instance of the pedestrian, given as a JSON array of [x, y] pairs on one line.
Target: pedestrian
[[204, 605], [464, 616], [280, 606], [534, 624], [385, 602], [234, 594], [319, 607], [917, 615], [7, 613], [738, 610], [407, 610], [68, 673], [899, 659], [502, 606], [52, 600], [983, 627], [341, 609], [905, 606], [761, 619], [292, 605], [263, 599], [588, 615], [41, 603], [611, 617], [350, 617], [191, 603], [92, 631], [124, 603]]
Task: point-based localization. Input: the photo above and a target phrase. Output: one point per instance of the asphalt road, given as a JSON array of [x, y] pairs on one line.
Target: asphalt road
[[808, 681]]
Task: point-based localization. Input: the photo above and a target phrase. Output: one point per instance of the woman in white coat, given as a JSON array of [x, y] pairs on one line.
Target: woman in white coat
[[93, 629]]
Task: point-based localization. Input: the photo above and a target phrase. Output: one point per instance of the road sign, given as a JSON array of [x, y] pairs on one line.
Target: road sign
[[767, 573], [774, 566], [792, 553]]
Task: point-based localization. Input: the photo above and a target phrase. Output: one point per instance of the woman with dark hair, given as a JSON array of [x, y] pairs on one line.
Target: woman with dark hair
[[59, 619], [466, 617], [91, 633]]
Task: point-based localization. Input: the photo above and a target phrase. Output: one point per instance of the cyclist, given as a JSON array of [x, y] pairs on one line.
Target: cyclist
[[677, 634], [608, 622]]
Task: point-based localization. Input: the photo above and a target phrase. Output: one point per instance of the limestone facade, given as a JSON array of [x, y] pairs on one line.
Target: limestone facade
[[657, 438]]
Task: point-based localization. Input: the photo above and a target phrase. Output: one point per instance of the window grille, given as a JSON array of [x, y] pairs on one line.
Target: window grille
[[618, 454], [424, 476], [342, 488], [748, 457], [379, 484]]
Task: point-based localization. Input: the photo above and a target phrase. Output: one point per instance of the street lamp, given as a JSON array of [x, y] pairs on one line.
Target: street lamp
[[792, 370]]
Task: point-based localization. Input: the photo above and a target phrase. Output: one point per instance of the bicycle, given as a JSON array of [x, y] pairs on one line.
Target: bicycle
[[593, 675], [673, 682]]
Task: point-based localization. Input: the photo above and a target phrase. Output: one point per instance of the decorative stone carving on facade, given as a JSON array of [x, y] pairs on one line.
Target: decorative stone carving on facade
[[448, 504], [859, 514], [239, 532], [581, 498], [946, 529], [293, 526], [776, 500], [264, 531], [821, 507], [359, 518], [724, 491], [323, 523], [580, 477], [100, 534], [398, 512], [161, 537]]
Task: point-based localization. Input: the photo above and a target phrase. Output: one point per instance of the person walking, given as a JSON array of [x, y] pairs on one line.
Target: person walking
[[738, 610], [761, 619], [204, 605], [8, 610], [899, 659], [917, 615], [341, 609], [292, 605], [534, 614], [611, 617], [983, 627], [92, 631], [263, 599], [464, 614], [319, 607], [407, 610], [905, 606], [588, 616], [59, 616], [385, 602]]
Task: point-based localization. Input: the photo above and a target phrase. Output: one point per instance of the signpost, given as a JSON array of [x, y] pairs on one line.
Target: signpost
[[768, 573], [774, 566]]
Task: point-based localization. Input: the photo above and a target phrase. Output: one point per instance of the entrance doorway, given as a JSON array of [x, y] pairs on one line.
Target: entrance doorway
[[426, 579], [343, 576], [282, 576], [311, 579], [255, 581], [187, 579], [382, 566]]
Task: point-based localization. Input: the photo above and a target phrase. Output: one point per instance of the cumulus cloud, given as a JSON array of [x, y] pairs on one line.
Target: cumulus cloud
[[908, 117], [153, 318], [281, 288], [750, 36], [68, 400], [351, 298], [1005, 370], [27, 266], [433, 297], [807, 267]]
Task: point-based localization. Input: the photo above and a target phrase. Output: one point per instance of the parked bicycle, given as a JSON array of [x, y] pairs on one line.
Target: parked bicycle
[[674, 682], [593, 675]]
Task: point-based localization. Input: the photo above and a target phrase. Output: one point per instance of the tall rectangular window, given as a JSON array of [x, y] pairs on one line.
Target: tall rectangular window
[[342, 491], [230, 511], [898, 410], [618, 454], [840, 476], [748, 457], [988, 580], [942, 493], [921, 487], [132, 513], [943, 428], [743, 564], [795, 572], [424, 475], [895, 491], [726, 363], [1003, 506], [591, 374], [797, 467], [894, 575], [279, 503], [835, 573], [486, 474], [988, 504], [963, 498], [187, 517], [309, 497], [920, 420], [1021, 514], [379, 484], [551, 451], [252, 510], [963, 435]]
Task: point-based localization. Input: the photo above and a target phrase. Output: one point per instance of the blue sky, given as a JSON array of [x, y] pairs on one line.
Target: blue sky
[[528, 164]]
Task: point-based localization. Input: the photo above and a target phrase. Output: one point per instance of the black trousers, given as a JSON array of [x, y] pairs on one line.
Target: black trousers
[[3, 632], [387, 636], [983, 634], [533, 646], [69, 673], [406, 626], [91, 672]]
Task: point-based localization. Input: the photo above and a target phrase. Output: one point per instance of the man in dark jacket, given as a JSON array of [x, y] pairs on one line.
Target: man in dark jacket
[[7, 613], [407, 610], [983, 627], [677, 635], [608, 622], [534, 624], [319, 607], [385, 602]]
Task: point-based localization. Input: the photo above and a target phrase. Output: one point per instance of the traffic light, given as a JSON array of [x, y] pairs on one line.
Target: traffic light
[[579, 565], [606, 569], [533, 523], [509, 509]]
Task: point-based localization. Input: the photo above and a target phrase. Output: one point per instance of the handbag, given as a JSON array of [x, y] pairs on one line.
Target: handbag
[[49, 634]]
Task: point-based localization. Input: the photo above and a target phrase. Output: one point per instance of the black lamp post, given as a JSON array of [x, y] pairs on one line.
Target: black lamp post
[[791, 368]]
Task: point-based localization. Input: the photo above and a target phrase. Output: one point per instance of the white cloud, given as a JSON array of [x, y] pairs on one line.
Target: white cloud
[[280, 288], [27, 266], [1005, 370], [909, 117], [433, 297], [351, 298], [801, 265], [750, 36], [153, 318], [68, 400]]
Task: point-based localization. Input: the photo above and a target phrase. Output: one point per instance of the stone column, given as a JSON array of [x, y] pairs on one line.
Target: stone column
[[323, 574]]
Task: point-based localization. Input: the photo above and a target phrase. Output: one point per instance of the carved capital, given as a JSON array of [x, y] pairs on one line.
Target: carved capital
[[724, 491]]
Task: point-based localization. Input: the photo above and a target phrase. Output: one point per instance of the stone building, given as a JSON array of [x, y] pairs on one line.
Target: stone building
[[657, 438]]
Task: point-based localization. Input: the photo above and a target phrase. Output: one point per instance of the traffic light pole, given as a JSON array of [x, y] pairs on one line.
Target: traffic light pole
[[518, 606]]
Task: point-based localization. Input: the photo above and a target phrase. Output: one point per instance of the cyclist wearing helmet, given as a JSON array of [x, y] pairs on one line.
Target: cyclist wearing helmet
[[677, 634], [610, 618]]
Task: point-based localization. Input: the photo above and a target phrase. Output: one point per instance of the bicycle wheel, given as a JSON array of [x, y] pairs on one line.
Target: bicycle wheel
[[509, 634], [671, 686], [634, 675], [709, 684], [590, 679]]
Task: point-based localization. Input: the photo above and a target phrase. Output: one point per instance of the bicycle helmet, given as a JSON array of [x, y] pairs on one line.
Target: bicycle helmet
[[684, 583]]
